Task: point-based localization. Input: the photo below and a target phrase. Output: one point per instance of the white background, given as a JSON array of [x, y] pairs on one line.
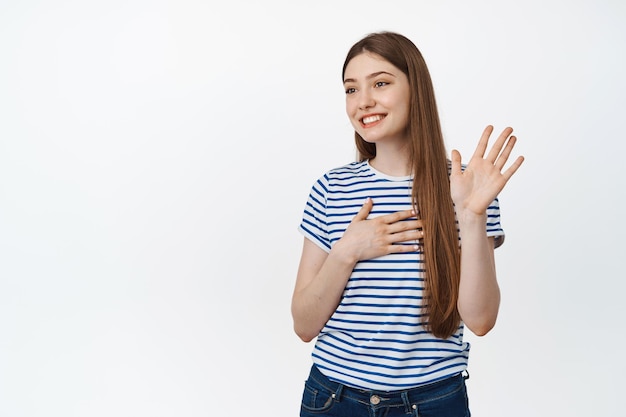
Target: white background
[[155, 158]]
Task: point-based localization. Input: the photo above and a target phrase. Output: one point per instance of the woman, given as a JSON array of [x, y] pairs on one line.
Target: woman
[[398, 250]]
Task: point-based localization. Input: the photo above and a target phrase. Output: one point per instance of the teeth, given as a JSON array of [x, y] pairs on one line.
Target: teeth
[[372, 119]]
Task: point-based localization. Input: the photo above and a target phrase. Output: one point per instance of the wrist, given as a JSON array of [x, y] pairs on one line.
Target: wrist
[[469, 217], [342, 254]]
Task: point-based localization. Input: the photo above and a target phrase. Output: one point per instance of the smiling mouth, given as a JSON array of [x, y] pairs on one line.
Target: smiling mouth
[[372, 119]]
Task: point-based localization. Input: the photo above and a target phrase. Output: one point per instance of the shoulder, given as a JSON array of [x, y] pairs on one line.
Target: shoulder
[[342, 178], [352, 169], [346, 173]]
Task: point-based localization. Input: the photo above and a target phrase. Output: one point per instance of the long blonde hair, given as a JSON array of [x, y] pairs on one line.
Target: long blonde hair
[[431, 186]]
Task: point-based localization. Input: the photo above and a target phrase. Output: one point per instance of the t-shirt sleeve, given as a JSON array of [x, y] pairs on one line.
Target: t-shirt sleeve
[[493, 223], [314, 225]]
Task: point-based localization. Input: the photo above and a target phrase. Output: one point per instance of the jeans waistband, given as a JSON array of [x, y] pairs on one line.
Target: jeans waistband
[[417, 394]]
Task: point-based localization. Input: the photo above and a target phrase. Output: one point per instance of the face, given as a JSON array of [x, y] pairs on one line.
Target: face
[[377, 99]]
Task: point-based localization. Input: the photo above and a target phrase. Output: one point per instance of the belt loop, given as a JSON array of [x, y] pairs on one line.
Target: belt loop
[[337, 394], [406, 401], [465, 375], [408, 407]]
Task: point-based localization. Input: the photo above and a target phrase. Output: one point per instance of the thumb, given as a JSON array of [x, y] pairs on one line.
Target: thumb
[[364, 211], [456, 162]]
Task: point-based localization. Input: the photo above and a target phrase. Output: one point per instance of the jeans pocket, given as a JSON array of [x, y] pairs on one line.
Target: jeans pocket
[[450, 402], [316, 398]]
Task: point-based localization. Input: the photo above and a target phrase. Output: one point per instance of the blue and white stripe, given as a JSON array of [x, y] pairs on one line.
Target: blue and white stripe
[[375, 339]]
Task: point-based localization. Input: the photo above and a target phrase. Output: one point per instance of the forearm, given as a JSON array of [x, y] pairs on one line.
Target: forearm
[[479, 294], [322, 277], [313, 304]]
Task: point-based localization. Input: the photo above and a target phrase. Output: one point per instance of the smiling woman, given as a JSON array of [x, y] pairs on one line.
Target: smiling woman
[[377, 90], [382, 284], [155, 158]]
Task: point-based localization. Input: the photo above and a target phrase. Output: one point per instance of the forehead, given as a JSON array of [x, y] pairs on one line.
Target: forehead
[[368, 63]]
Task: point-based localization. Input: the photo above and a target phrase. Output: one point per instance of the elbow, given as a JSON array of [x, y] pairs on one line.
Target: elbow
[[480, 318], [481, 328], [305, 325], [481, 331], [304, 335], [302, 327], [306, 338]]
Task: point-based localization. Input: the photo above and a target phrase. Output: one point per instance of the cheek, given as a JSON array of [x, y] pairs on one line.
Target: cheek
[[350, 107], [401, 104], [355, 123], [351, 112]]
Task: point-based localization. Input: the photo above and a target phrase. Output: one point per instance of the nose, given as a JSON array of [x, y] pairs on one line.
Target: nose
[[366, 100]]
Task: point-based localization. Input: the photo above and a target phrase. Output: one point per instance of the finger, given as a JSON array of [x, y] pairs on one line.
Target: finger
[[482, 143], [506, 152], [403, 247], [405, 225], [364, 211], [513, 168], [498, 144], [408, 236], [397, 216], [456, 162]]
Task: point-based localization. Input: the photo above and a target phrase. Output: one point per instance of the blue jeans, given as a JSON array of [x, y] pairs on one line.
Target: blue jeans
[[322, 397]]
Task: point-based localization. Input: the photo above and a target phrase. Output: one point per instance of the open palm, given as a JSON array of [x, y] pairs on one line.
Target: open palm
[[482, 180]]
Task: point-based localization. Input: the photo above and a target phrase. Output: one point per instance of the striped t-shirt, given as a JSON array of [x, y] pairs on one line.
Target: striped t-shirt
[[375, 339]]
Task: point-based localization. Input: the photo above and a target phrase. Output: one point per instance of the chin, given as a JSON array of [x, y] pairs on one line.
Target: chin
[[369, 138]]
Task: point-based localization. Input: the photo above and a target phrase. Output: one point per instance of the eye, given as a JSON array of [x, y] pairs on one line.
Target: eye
[[350, 90], [381, 83]]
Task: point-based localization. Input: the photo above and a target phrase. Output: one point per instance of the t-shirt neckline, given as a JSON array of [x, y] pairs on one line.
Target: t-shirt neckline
[[386, 176]]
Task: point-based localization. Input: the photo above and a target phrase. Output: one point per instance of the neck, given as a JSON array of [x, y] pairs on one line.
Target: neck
[[394, 161]]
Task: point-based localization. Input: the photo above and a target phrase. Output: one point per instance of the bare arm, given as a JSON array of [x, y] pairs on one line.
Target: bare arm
[[321, 280], [479, 293], [322, 276], [472, 191]]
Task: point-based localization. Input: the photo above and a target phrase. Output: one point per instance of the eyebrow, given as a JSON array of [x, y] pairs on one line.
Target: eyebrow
[[372, 75]]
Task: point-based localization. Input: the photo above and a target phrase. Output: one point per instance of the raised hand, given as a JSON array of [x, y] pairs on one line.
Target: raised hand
[[482, 180], [367, 239]]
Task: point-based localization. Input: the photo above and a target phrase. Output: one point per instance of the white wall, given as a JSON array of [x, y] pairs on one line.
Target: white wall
[[155, 157]]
